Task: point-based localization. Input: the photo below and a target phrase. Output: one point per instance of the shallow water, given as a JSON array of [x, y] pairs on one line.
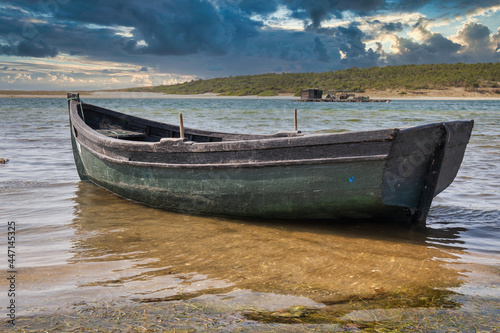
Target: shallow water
[[78, 242]]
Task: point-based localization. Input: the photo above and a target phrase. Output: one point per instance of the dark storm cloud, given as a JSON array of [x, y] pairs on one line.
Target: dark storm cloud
[[476, 36], [320, 10], [21, 37], [434, 48], [350, 40], [409, 5], [350, 43], [496, 42], [149, 32], [477, 43], [26, 48], [192, 26], [261, 7], [411, 52], [388, 27], [168, 27], [320, 50], [157, 27]]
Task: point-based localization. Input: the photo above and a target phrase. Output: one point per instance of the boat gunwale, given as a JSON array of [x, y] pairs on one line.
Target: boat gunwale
[[264, 142]]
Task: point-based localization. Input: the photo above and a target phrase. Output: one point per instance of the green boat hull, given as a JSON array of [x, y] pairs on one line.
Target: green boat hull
[[327, 191]]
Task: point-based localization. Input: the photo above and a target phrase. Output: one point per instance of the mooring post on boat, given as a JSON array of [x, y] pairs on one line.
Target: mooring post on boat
[[295, 120], [181, 126]]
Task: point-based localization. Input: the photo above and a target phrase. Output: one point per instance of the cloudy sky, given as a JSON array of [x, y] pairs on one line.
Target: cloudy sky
[[107, 44]]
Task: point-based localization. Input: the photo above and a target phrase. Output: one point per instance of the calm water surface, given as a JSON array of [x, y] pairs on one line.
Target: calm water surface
[[77, 242]]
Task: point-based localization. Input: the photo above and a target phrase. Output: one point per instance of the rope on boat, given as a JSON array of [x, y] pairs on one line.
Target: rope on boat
[[80, 103]]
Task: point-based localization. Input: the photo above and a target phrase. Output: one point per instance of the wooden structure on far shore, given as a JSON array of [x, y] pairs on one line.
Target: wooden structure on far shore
[[311, 94], [316, 95]]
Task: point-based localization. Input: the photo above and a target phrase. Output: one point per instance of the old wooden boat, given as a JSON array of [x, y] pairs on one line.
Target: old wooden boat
[[390, 174]]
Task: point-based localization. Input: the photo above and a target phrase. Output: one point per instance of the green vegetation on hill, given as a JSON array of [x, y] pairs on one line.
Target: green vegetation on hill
[[407, 77]]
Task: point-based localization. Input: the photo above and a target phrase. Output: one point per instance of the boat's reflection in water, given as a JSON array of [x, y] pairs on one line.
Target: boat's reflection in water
[[151, 253]]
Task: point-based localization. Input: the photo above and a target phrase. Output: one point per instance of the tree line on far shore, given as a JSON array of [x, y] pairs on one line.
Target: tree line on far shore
[[404, 78]]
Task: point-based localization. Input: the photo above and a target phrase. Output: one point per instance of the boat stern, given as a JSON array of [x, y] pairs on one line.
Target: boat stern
[[423, 161]]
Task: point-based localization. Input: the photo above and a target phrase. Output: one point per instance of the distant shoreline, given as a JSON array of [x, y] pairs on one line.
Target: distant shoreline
[[448, 94]]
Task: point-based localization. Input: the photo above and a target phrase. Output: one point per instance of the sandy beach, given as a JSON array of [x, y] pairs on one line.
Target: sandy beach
[[446, 94]]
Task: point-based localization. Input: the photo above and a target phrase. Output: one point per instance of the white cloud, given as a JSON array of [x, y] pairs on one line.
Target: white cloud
[[281, 19], [142, 80], [124, 31], [486, 11], [66, 78], [18, 78], [476, 39]]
